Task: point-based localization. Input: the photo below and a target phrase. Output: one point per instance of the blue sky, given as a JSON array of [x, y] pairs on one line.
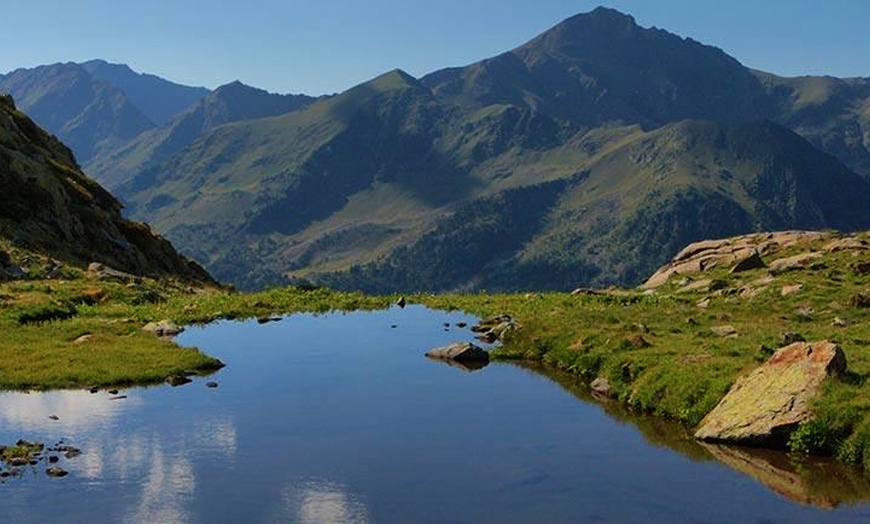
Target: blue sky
[[320, 46]]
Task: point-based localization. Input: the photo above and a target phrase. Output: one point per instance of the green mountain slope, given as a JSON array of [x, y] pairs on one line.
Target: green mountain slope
[[86, 113], [158, 99], [49, 205], [613, 222], [229, 103], [588, 155]]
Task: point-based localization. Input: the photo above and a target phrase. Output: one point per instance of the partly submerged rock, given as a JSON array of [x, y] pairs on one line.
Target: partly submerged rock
[[460, 352], [765, 406], [177, 380]]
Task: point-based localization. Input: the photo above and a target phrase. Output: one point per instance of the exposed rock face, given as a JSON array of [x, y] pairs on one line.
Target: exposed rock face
[[763, 407], [461, 352], [48, 204], [739, 253]]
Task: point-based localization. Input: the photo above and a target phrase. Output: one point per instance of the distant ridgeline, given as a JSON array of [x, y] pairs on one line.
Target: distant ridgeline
[[587, 156], [48, 205]]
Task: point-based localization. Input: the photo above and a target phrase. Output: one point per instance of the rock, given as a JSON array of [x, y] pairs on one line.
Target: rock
[[266, 320], [18, 462], [585, 291], [753, 261], [796, 262], [495, 328], [52, 459], [83, 338], [54, 417], [177, 380], [844, 244], [72, 453], [794, 289], [119, 397], [460, 352], [725, 331], [113, 392], [861, 300], [211, 384], [637, 341], [164, 328], [461, 324], [601, 386], [790, 337], [698, 285], [839, 322], [765, 406], [401, 302], [737, 251], [93, 389], [861, 268], [102, 272], [55, 471]]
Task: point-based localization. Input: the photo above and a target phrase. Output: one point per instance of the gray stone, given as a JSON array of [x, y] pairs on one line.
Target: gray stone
[[460, 352]]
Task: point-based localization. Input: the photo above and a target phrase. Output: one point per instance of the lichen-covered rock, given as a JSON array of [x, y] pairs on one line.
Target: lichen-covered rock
[[765, 406], [460, 352]]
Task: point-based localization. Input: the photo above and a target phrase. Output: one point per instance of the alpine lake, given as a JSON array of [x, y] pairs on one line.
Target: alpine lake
[[340, 418]]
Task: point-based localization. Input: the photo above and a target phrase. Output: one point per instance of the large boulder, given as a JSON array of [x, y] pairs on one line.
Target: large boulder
[[765, 406], [460, 352]]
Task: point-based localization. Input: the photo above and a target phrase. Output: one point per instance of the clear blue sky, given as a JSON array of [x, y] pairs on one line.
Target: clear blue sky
[[320, 46]]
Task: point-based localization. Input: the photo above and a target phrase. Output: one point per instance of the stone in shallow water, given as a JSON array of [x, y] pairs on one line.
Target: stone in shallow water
[[765, 406], [461, 352], [55, 471]]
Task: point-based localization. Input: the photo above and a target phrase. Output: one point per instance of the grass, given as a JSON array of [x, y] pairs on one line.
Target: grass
[[687, 367], [77, 331]]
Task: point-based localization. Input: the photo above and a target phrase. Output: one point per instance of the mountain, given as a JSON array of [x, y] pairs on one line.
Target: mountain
[[586, 156], [601, 67], [86, 113], [637, 199], [49, 205], [230, 103], [832, 113], [158, 99]]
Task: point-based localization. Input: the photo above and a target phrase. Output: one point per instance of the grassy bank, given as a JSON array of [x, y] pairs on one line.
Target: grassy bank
[[672, 353], [81, 330]]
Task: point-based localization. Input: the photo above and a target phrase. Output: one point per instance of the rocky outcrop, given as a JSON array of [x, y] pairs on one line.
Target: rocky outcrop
[[765, 406], [460, 352], [744, 253], [48, 205]]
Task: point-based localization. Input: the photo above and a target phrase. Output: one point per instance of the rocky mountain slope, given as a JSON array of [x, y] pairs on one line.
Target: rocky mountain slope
[[49, 206]]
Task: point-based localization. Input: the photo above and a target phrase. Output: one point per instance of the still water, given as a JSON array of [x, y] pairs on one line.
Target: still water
[[340, 418]]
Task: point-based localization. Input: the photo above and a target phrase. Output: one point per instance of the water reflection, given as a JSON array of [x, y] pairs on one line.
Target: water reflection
[[468, 367], [315, 502], [77, 410], [817, 482], [168, 486]]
